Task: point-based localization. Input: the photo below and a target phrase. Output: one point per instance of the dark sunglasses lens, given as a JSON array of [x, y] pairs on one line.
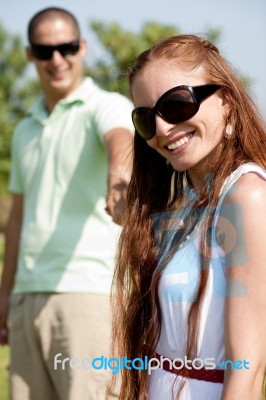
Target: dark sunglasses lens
[[68, 49], [177, 106], [42, 52], [144, 123]]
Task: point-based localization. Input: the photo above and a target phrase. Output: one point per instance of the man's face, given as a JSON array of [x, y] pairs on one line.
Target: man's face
[[59, 75]]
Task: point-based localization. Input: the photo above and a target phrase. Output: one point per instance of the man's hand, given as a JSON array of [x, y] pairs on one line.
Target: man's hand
[[118, 143], [116, 197]]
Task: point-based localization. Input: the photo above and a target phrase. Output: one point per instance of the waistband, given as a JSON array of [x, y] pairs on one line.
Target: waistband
[[203, 374]]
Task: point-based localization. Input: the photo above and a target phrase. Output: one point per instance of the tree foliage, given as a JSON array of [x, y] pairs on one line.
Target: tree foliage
[[12, 64], [110, 71], [122, 48], [15, 94]]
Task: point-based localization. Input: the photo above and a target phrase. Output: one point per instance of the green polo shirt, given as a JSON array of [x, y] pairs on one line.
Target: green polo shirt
[[59, 165]]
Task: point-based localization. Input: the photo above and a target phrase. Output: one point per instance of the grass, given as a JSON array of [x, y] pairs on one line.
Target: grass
[[4, 350], [4, 357], [1, 251]]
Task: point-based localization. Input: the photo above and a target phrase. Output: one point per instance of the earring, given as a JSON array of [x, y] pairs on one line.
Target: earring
[[228, 131]]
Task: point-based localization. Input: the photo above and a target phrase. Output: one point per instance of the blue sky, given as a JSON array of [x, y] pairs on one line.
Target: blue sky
[[242, 23]]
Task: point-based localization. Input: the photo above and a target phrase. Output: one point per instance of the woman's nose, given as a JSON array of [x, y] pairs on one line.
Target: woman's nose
[[162, 127]]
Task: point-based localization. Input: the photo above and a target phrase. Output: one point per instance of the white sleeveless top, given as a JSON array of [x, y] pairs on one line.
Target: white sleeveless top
[[176, 292]]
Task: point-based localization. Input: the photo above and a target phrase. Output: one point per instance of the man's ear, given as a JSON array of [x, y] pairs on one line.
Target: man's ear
[[29, 53], [83, 47]]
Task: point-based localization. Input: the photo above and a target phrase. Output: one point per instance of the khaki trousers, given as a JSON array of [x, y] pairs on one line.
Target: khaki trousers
[[46, 329]]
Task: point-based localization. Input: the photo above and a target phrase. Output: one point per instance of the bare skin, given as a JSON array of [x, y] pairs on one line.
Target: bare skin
[[245, 322], [12, 234]]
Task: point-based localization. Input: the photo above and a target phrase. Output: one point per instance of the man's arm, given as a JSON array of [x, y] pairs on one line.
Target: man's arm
[[119, 145], [12, 236]]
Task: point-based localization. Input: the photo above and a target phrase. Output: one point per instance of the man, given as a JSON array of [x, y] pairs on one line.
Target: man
[[70, 152]]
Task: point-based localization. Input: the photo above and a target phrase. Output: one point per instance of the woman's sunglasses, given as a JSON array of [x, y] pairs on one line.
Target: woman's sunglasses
[[45, 52], [176, 105]]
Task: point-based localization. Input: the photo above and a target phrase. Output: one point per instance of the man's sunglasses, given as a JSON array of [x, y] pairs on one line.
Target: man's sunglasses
[[45, 52], [176, 105]]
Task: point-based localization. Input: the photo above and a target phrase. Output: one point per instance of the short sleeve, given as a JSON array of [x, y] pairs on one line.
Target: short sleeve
[[113, 111]]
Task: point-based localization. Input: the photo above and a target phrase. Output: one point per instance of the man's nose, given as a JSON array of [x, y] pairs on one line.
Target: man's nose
[[56, 57]]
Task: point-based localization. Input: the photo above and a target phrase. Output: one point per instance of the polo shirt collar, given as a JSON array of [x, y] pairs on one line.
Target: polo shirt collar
[[79, 96]]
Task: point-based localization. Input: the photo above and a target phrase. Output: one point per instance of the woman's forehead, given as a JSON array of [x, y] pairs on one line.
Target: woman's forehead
[[167, 69], [157, 77]]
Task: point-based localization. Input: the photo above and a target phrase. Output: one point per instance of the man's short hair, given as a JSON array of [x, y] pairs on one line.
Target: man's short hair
[[51, 13]]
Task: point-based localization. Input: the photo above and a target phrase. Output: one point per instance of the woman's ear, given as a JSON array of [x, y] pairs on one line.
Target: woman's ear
[[226, 103]]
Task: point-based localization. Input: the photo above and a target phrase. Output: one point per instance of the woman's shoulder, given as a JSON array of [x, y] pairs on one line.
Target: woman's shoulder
[[247, 181], [248, 186]]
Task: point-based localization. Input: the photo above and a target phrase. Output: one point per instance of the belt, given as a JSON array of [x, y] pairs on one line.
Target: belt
[[203, 374]]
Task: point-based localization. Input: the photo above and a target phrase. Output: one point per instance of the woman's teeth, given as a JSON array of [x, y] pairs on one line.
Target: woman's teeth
[[179, 143]]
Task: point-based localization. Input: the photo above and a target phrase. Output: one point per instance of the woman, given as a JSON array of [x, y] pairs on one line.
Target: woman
[[191, 271]]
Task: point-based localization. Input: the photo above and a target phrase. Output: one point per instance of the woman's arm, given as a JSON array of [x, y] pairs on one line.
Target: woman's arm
[[245, 309]]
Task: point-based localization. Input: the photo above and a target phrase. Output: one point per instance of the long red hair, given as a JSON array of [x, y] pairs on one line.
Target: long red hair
[[156, 187]]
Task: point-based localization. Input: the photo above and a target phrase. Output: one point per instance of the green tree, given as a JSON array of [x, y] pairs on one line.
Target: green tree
[[122, 48], [14, 96], [12, 64]]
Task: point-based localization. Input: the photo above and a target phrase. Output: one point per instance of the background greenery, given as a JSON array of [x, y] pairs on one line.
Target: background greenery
[[4, 350], [18, 90]]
